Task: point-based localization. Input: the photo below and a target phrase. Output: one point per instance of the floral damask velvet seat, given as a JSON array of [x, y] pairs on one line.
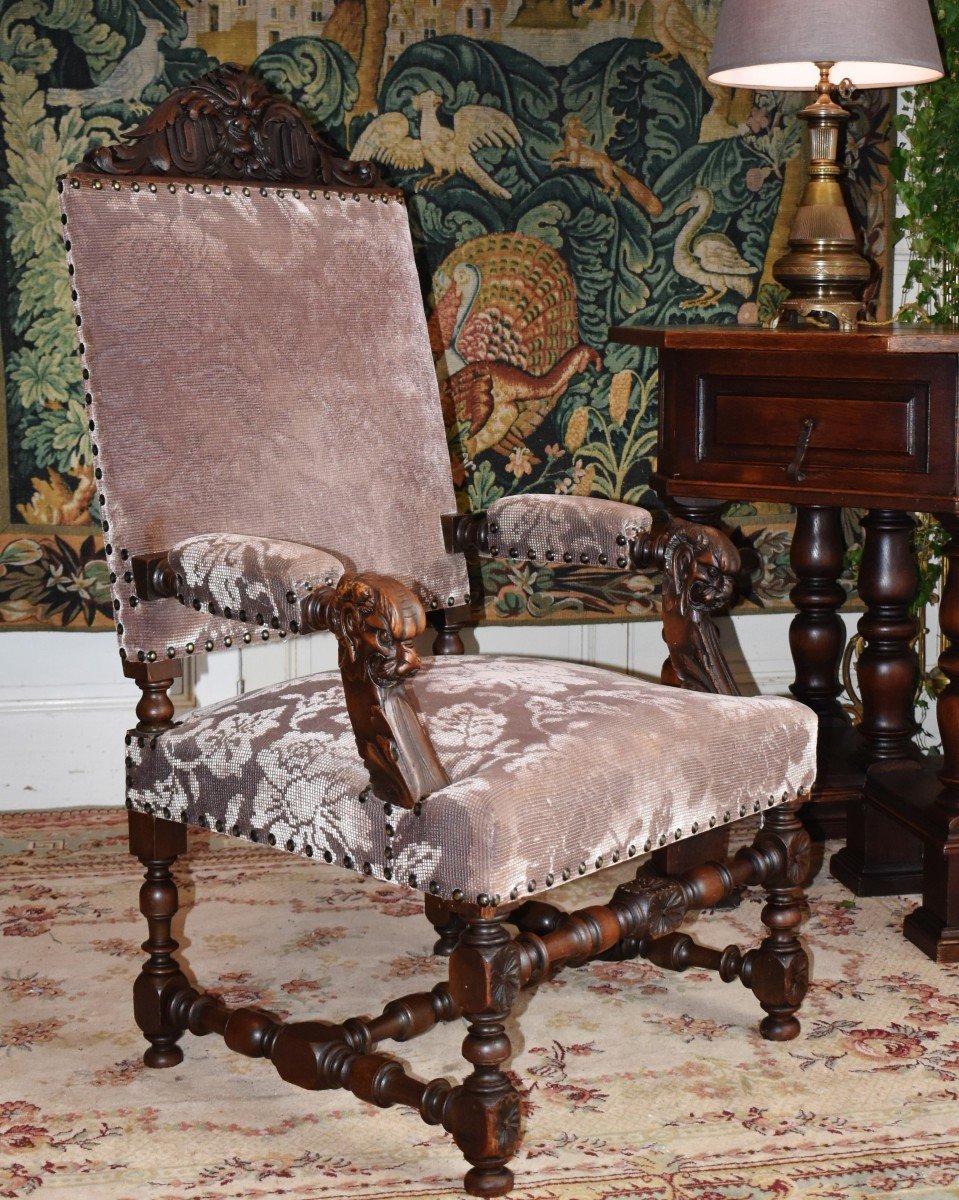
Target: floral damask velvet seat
[[272, 462]]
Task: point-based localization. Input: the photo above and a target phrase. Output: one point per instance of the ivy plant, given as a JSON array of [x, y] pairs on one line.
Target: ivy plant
[[924, 164]]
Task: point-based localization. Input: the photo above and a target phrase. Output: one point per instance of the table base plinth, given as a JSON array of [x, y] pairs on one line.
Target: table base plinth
[[904, 815]]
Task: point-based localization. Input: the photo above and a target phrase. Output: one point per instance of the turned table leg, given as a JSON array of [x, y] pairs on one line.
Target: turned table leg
[[817, 638], [888, 666], [817, 635], [880, 858]]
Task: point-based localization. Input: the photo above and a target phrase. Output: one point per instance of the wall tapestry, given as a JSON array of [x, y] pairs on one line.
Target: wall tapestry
[[569, 168]]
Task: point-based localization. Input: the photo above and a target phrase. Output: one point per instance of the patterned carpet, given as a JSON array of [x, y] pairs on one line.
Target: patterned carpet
[[638, 1086]]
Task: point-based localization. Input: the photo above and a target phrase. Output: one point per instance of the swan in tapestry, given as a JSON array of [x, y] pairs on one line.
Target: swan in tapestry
[[711, 259], [387, 139]]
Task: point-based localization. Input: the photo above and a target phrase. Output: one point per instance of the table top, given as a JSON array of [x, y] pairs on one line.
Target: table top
[[890, 339]]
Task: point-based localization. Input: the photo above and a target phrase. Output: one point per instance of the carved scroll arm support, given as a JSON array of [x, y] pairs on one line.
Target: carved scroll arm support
[[698, 565], [374, 619]]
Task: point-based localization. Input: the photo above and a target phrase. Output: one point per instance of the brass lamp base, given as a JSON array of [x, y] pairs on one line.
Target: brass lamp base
[[843, 315], [823, 270]]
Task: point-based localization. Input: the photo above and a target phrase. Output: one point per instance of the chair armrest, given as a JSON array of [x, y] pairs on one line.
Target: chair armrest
[[257, 581], [375, 618], [581, 530], [698, 564]]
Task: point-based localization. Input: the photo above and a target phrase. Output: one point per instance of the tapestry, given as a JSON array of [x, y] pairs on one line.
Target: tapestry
[[569, 167]]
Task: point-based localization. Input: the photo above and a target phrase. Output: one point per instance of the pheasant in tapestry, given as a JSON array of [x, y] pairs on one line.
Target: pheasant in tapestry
[[387, 139], [505, 328]]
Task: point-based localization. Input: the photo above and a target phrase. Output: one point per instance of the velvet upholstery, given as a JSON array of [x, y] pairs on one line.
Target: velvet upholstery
[[256, 367], [555, 769], [571, 529], [254, 580]]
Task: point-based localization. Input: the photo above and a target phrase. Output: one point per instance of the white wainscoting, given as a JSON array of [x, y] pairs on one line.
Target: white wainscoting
[[65, 705]]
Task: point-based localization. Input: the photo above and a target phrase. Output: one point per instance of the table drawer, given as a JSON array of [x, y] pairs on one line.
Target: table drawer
[[850, 422]]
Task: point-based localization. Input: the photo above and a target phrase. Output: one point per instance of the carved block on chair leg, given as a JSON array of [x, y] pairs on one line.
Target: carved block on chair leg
[[778, 972], [483, 1114], [448, 925], [157, 844]]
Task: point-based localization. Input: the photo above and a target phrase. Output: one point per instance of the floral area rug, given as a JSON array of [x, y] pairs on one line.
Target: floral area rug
[[638, 1085]]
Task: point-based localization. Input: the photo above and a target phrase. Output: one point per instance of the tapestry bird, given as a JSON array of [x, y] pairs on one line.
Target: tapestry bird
[[388, 139], [505, 326], [675, 28], [709, 259], [135, 71]]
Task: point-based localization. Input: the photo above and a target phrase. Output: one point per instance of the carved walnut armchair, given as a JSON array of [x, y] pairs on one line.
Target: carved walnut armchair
[[271, 459]]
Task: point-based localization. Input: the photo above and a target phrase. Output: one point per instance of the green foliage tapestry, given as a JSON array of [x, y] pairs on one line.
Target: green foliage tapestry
[[569, 168]]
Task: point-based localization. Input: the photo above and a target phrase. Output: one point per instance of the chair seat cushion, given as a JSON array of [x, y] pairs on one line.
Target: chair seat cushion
[[556, 769]]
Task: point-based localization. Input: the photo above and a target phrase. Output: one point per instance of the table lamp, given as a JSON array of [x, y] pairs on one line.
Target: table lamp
[[800, 45]]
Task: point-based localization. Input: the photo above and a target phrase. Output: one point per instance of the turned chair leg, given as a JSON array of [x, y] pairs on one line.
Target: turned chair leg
[[157, 844], [483, 1114], [448, 925], [779, 969]]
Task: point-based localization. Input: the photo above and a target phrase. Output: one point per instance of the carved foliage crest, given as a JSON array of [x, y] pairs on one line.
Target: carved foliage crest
[[228, 125]]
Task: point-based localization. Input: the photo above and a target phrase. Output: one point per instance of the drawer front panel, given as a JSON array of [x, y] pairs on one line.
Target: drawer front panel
[[869, 423], [743, 420]]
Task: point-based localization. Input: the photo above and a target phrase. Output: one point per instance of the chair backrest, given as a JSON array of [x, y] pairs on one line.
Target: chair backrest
[[255, 354]]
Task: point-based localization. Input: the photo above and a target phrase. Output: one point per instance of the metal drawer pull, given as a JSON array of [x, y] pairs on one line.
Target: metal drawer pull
[[794, 472]]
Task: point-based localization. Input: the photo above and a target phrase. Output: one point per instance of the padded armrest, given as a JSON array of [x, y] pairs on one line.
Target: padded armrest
[[567, 529], [698, 565], [250, 579]]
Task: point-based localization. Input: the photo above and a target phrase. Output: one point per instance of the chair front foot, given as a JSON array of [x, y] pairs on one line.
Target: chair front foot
[[157, 844], [483, 1114], [488, 1181], [778, 972], [447, 924]]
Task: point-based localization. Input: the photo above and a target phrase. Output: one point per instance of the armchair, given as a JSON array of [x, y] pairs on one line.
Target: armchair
[[267, 474]]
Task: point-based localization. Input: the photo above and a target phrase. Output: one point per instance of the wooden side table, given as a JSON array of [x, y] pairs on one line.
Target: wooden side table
[[826, 420]]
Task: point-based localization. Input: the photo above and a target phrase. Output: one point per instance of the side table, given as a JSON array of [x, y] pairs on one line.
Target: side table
[[826, 420]]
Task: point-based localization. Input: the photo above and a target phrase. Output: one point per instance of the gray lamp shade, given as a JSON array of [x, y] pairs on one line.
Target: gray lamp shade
[[775, 43]]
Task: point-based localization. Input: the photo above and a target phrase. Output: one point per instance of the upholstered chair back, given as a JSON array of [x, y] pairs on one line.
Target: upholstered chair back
[[256, 361]]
